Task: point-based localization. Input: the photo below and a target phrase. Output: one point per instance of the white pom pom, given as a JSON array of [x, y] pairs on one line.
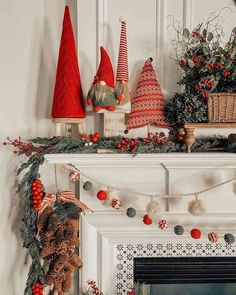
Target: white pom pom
[[121, 19], [153, 209], [196, 207]]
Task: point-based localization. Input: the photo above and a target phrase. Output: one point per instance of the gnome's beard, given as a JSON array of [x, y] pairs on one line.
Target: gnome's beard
[[122, 88], [99, 92]]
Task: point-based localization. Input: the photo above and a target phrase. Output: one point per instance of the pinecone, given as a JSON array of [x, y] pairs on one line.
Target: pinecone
[[75, 260], [76, 242], [59, 262], [49, 250], [58, 284], [74, 215], [67, 283], [53, 223], [43, 218]]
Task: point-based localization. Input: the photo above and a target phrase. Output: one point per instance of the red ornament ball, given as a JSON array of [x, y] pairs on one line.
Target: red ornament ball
[[102, 195], [196, 233], [147, 220]]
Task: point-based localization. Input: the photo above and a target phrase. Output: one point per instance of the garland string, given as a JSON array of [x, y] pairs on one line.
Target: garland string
[[73, 168]]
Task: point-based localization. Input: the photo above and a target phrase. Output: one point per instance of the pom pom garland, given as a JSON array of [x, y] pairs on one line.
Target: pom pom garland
[[179, 230], [102, 195], [196, 207], [74, 176], [131, 212], [213, 237], [162, 224], [196, 233], [116, 204], [153, 209], [229, 238], [87, 186], [147, 220]]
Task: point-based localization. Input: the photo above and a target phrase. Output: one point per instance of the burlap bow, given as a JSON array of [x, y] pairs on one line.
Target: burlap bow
[[66, 196]]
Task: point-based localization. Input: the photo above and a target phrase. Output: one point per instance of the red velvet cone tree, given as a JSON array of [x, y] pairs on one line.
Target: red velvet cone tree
[[68, 95]]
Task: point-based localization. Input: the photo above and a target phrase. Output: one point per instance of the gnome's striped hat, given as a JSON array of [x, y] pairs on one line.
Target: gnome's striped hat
[[122, 67]]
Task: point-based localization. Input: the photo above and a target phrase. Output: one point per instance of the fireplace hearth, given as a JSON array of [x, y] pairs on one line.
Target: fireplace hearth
[[187, 275]]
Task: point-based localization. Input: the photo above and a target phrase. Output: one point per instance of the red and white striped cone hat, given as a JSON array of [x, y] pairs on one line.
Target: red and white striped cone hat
[[122, 66]]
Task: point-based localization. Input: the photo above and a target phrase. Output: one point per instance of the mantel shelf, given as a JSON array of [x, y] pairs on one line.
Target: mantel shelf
[[210, 160]]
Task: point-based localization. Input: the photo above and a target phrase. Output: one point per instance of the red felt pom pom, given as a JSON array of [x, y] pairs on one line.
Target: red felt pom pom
[[196, 233], [102, 195], [147, 220]]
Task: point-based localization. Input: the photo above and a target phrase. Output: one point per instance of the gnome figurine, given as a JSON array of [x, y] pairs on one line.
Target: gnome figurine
[[101, 94], [122, 75]]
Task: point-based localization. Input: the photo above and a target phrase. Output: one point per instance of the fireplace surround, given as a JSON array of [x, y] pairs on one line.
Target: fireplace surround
[[110, 241]]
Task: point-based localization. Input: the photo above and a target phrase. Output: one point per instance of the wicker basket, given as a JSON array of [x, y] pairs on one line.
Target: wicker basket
[[222, 107]]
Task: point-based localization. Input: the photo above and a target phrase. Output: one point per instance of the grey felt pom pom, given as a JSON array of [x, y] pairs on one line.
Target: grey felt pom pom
[[131, 212], [87, 186], [179, 230], [229, 238]]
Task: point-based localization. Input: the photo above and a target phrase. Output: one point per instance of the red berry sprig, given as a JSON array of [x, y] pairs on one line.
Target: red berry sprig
[[93, 288], [22, 147], [128, 144], [94, 137], [37, 289], [37, 194]]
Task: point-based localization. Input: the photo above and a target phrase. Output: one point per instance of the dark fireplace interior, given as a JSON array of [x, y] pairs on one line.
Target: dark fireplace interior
[[187, 275]]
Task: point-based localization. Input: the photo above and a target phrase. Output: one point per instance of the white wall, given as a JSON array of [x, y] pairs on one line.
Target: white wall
[[29, 40]]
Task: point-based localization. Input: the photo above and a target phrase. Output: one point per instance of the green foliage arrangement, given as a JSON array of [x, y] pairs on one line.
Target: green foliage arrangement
[[208, 65], [35, 152]]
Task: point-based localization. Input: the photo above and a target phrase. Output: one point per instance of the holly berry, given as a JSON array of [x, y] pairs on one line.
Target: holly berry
[[147, 220], [37, 289], [226, 73], [37, 194], [102, 195], [4, 143]]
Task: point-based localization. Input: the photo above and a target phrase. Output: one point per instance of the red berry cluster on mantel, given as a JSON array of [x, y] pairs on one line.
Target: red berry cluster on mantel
[[37, 289], [37, 194], [131, 144]]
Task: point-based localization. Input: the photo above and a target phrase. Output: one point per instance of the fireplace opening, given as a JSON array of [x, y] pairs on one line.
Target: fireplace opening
[[187, 275]]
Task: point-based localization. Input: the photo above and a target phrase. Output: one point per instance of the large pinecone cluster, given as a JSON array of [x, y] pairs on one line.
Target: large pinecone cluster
[[59, 240]]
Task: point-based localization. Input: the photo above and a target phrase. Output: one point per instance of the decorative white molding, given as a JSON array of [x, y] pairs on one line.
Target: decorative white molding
[[187, 14], [160, 39], [169, 160], [102, 232]]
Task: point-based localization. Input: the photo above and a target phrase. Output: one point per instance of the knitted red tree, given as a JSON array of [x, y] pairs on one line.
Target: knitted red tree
[[148, 103]]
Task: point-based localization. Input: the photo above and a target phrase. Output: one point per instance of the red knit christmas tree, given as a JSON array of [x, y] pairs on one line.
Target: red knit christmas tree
[[148, 104], [68, 96]]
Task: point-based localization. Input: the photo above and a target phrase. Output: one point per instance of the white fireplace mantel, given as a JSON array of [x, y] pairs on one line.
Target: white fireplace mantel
[[107, 235], [145, 160]]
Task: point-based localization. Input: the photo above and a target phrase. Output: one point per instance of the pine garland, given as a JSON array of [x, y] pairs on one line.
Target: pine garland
[[39, 147]]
